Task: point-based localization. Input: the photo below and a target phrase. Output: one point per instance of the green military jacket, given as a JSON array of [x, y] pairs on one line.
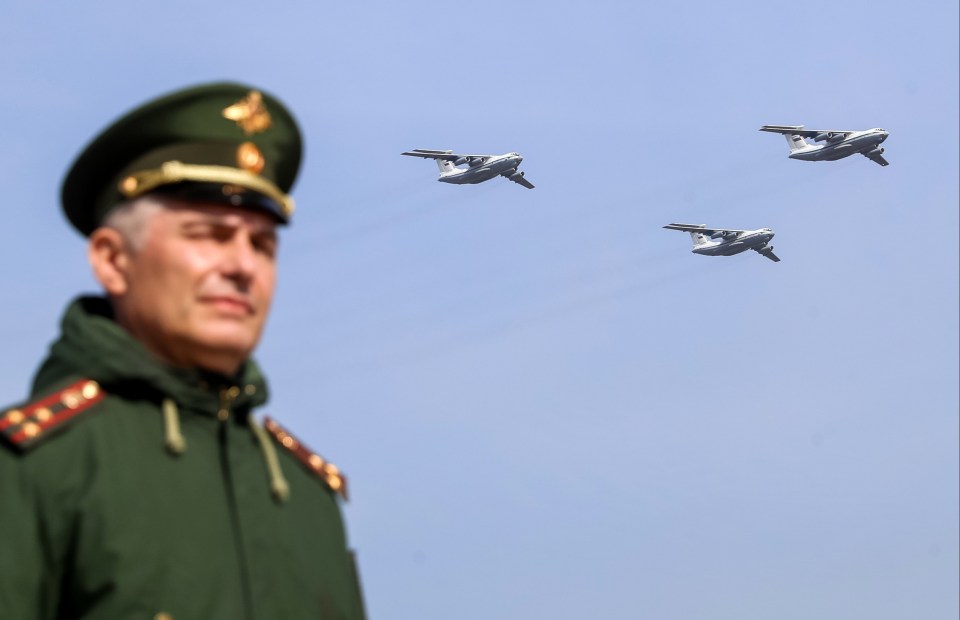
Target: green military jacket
[[132, 490]]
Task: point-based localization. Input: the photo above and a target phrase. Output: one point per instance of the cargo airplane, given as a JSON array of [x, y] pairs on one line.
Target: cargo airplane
[[479, 168], [727, 241], [836, 144]]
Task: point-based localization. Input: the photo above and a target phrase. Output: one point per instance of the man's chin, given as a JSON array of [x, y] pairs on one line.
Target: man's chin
[[221, 342]]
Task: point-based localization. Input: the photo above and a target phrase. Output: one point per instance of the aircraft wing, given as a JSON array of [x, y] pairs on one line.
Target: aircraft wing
[[446, 155], [517, 177], [798, 130], [877, 158], [431, 154], [768, 252], [701, 228]]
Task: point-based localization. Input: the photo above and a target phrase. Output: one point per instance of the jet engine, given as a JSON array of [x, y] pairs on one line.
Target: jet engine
[[460, 161], [722, 235], [515, 175], [476, 161], [875, 152]]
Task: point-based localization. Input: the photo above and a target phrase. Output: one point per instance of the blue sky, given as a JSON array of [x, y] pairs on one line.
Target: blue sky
[[546, 405]]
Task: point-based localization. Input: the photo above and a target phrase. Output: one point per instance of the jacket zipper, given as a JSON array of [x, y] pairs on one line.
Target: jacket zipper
[[227, 398]]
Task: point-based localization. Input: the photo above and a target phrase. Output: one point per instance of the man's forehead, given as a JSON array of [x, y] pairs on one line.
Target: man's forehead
[[219, 213]]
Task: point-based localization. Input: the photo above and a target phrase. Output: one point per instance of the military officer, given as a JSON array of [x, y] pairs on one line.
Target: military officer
[[136, 481]]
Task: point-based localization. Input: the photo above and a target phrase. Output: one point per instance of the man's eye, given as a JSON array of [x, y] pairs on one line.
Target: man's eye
[[266, 246], [217, 233], [198, 232], [222, 233]]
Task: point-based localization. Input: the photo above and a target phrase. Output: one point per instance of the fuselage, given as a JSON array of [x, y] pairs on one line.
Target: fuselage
[[746, 241], [492, 167], [857, 142]]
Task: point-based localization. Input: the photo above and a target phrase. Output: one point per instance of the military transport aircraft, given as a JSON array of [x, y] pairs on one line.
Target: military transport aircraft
[[479, 167], [838, 144], [728, 241]]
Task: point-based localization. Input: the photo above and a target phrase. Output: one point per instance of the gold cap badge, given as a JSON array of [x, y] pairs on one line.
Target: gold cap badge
[[250, 158], [250, 113]]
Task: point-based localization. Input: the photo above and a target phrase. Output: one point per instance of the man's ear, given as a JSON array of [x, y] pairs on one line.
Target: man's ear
[[109, 255]]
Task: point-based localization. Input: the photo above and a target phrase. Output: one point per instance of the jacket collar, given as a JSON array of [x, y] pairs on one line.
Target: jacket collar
[[94, 346]]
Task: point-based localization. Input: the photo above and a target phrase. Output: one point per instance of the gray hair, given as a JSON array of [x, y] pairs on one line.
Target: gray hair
[[130, 219]]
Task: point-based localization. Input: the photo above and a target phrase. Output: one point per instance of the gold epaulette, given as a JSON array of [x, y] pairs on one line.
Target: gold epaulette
[[27, 425], [316, 464]]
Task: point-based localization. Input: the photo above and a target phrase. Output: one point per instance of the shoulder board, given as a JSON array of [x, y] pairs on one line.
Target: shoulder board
[[29, 424], [329, 473]]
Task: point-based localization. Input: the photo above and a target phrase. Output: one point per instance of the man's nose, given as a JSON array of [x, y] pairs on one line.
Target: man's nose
[[240, 258]]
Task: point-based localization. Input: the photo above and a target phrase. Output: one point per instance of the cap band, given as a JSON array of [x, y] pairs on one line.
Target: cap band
[[141, 182]]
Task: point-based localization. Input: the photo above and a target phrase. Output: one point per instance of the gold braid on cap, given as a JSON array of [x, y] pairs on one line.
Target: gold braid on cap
[[139, 183]]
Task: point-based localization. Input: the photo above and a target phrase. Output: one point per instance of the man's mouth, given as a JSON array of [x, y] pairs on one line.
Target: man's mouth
[[229, 304]]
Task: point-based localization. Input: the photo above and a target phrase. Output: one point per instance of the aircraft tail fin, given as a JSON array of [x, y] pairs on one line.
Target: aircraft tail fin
[[444, 165], [698, 238], [796, 143], [695, 230]]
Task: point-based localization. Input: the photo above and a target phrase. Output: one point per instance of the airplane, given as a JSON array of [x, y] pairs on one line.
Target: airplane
[[727, 240], [839, 144], [479, 167]]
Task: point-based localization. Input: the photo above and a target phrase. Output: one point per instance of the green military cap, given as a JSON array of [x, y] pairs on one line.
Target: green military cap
[[226, 143]]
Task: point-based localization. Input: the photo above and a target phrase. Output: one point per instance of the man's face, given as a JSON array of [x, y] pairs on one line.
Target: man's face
[[199, 287]]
